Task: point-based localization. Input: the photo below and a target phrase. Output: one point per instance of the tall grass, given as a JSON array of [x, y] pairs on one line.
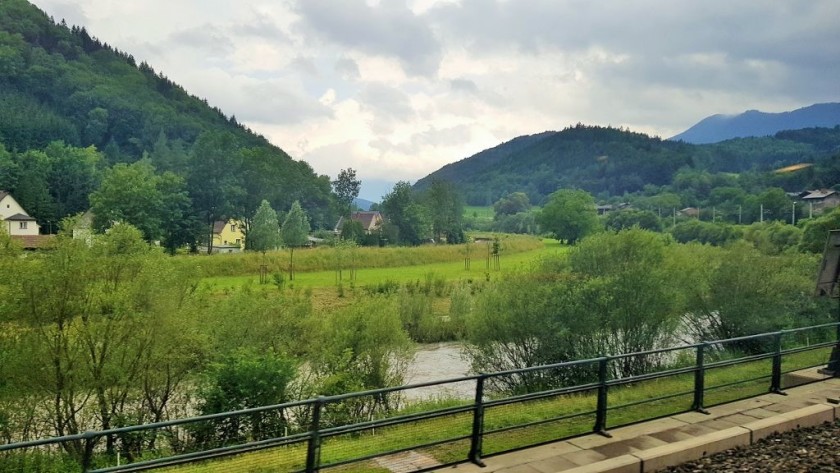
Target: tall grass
[[325, 258]]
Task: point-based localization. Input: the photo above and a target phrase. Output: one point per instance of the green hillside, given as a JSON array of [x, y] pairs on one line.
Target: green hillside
[[613, 162], [61, 84]]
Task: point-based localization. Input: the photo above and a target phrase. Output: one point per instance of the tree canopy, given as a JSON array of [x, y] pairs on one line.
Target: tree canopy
[[570, 215]]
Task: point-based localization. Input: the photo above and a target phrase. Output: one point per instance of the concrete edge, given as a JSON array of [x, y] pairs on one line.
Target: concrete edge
[[657, 458], [622, 464], [675, 453], [804, 417]]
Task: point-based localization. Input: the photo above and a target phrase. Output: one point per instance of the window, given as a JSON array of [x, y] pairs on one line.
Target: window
[[233, 228], [23, 225]]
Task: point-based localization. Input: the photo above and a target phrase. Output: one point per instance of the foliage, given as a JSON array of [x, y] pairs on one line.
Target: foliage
[[410, 220], [294, 232], [358, 348], [569, 215], [242, 380], [112, 321], [511, 204], [264, 233], [134, 194], [625, 219], [694, 230], [446, 210], [522, 222], [626, 294], [773, 238], [346, 188], [815, 231], [748, 293]]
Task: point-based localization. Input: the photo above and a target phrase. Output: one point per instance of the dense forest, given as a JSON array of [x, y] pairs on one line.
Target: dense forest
[[610, 162], [73, 107]]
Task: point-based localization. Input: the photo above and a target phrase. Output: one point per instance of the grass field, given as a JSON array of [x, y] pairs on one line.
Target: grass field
[[449, 270]]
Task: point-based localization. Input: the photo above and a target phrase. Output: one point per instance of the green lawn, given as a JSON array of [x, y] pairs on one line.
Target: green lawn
[[453, 270]]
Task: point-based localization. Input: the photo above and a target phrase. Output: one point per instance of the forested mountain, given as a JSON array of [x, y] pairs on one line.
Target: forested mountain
[[64, 92], [754, 123], [612, 162]]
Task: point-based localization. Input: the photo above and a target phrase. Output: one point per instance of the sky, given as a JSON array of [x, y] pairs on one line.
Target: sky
[[395, 89]]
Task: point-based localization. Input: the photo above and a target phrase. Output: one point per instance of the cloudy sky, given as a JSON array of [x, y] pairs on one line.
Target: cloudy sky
[[397, 88]]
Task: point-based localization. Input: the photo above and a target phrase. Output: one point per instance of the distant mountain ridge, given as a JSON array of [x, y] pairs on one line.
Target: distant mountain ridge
[[613, 162], [718, 128]]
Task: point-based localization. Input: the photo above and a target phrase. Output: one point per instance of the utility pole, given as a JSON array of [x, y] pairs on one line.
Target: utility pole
[[761, 215], [739, 214], [793, 214]]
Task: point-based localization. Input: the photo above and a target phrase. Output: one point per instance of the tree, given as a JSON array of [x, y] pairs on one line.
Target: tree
[[214, 182], [624, 219], [511, 204], [264, 233], [129, 194], [244, 380], [347, 188], [570, 215], [295, 232], [627, 295], [445, 209], [403, 212]]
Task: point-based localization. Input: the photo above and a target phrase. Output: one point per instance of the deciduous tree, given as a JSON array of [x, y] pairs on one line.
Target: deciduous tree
[[295, 232], [570, 215]]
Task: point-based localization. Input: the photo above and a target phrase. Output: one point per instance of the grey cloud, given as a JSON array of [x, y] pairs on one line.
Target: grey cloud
[[347, 68], [430, 138], [463, 85], [389, 29], [387, 102], [799, 41], [305, 65], [261, 27], [207, 38], [273, 103]]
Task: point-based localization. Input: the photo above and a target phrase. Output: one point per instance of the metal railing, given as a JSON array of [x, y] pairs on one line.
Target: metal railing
[[508, 410]]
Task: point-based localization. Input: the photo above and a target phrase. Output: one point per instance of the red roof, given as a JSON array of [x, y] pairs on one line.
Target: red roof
[[33, 242]]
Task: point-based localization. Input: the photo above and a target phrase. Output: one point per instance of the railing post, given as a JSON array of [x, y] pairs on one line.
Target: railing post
[[776, 377], [601, 409], [700, 379], [478, 423], [90, 439], [313, 450]]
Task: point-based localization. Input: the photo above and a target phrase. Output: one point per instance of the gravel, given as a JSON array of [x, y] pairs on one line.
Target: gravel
[[811, 449]]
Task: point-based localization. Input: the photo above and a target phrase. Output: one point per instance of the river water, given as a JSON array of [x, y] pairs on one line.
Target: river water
[[435, 362]]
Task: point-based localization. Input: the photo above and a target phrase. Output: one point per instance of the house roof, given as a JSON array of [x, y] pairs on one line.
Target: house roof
[[367, 219], [3, 194], [33, 242], [20, 218], [819, 194], [218, 226]]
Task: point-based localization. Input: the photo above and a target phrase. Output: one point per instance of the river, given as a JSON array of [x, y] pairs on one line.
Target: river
[[439, 361]]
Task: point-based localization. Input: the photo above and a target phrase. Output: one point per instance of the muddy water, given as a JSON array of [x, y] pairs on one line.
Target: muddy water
[[435, 362]]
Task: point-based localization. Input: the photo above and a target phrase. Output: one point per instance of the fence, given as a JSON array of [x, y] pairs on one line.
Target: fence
[[378, 430]]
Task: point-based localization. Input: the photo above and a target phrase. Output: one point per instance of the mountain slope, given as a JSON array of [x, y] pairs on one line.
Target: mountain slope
[[595, 159], [718, 128], [58, 83], [612, 162]]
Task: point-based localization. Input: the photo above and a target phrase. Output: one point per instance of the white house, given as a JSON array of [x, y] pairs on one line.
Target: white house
[[15, 220]]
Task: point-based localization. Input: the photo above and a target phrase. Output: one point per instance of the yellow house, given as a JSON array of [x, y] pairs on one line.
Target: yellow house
[[228, 237]]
